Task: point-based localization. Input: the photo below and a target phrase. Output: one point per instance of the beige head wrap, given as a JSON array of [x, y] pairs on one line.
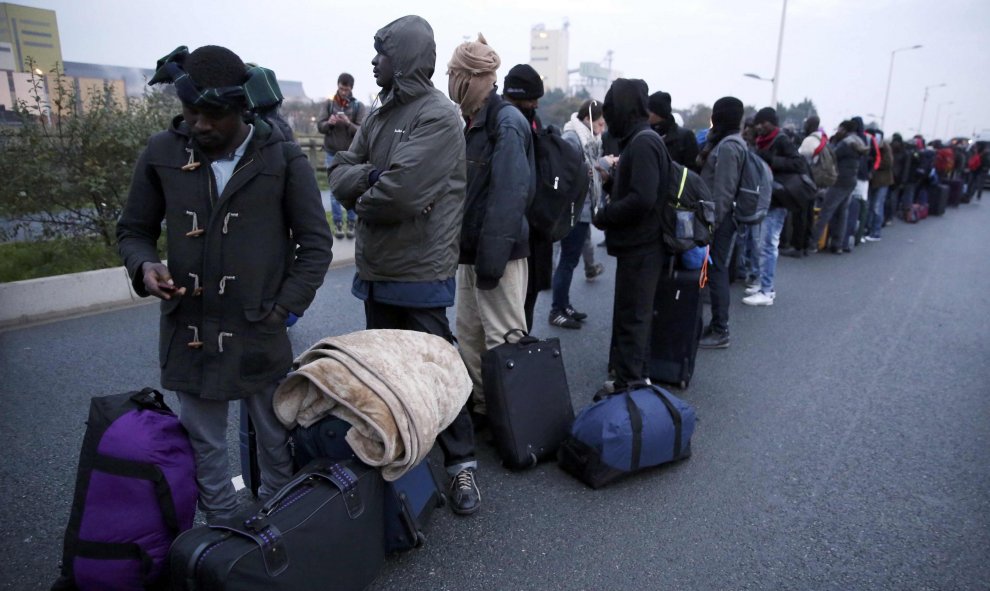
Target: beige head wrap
[[471, 74]]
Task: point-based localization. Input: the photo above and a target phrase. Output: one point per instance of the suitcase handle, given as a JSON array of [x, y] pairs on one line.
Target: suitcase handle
[[150, 399], [524, 337], [335, 472]]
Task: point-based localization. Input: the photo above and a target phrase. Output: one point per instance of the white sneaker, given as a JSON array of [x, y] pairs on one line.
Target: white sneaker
[[760, 299], [751, 289], [871, 238]]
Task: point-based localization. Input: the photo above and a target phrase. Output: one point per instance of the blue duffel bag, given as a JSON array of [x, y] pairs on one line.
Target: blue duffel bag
[[625, 432]]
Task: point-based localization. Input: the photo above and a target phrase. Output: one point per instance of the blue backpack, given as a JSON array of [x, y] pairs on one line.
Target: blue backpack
[[625, 432]]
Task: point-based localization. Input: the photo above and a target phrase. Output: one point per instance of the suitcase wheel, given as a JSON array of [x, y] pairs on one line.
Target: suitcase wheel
[[420, 539], [533, 460], [683, 385], [441, 499]]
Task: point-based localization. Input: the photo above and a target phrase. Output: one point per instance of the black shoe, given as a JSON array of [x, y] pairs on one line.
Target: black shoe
[[570, 311], [714, 339], [790, 252], [594, 271], [465, 498], [558, 318], [338, 231]]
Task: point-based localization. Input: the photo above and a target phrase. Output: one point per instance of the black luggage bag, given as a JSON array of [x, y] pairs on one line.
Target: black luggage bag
[[938, 199], [528, 401], [322, 530], [409, 501], [677, 327], [956, 195]]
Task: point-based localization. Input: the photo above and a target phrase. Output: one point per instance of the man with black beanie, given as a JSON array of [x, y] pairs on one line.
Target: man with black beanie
[[722, 162], [681, 143], [631, 220], [779, 152]]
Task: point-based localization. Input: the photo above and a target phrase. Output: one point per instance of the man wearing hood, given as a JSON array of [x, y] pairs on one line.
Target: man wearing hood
[[248, 243], [681, 143], [835, 203], [492, 274], [631, 221], [722, 162], [404, 174]]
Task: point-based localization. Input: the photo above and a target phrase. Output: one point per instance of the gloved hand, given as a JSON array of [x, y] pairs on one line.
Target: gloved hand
[[600, 220], [373, 177]]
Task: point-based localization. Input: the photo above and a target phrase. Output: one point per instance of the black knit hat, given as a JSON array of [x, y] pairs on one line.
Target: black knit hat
[[727, 114], [659, 105], [766, 114], [523, 82]]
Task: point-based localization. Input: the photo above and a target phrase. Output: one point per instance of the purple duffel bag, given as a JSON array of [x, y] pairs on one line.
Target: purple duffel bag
[[135, 492]]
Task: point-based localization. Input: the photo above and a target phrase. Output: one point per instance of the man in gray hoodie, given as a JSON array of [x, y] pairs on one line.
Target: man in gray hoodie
[[405, 176]]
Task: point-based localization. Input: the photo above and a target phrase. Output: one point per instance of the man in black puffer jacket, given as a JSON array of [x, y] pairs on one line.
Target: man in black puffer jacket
[[681, 143], [631, 220]]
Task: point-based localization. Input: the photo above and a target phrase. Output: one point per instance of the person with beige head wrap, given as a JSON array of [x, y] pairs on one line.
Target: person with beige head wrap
[[472, 74], [492, 273]]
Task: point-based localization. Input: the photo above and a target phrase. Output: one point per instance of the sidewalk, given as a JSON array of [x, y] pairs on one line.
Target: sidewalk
[[33, 301]]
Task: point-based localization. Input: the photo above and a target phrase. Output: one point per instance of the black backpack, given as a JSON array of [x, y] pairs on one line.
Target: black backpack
[[752, 198], [561, 181], [688, 212]]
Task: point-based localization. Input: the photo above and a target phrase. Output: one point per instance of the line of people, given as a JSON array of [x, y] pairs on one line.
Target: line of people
[[440, 185]]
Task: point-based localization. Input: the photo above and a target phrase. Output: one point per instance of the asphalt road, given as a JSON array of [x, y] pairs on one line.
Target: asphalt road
[[842, 443]]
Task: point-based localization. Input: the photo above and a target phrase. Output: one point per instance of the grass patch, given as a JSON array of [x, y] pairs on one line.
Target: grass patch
[[30, 260], [321, 180]]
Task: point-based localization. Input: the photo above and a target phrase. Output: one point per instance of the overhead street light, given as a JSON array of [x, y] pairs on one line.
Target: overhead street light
[[890, 76], [776, 71], [923, 103]]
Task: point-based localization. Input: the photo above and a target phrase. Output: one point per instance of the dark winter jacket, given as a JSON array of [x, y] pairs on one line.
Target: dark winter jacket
[[409, 220], [501, 183], [631, 219], [884, 175], [848, 153], [902, 157], [680, 143], [264, 241], [784, 159], [338, 137]]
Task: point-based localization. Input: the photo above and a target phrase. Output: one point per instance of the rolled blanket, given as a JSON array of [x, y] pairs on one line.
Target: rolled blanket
[[397, 388]]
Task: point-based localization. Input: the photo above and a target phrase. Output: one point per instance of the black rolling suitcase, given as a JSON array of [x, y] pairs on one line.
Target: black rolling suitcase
[[676, 327], [321, 531], [938, 199], [956, 195], [528, 402]]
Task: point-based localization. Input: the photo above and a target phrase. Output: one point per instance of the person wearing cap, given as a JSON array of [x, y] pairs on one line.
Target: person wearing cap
[[681, 143], [492, 274], [404, 174], [722, 161], [248, 243], [779, 152], [522, 88]]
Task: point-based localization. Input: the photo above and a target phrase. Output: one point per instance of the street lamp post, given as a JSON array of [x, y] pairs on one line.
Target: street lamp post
[[890, 76], [938, 110], [780, 46], [924, 102], [770, 80]]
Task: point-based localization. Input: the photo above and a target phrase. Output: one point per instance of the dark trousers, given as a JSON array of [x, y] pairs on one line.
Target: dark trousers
[[636, 280], [718, 272], [570, 253], [800, 221], [457, 440]]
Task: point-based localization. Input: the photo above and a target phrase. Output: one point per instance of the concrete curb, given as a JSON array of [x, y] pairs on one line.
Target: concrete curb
[[35, 301]]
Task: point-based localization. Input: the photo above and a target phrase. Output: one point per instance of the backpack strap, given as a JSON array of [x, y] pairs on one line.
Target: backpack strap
[[143, 471]]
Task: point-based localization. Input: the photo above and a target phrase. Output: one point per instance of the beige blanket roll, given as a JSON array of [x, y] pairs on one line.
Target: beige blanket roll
[[397, 388]]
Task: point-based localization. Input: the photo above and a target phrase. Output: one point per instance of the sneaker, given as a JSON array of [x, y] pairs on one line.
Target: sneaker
[[349, 231], [570, 311], [558, 318], [338, 231], [751, 289], [464, 494], [871, 238], [760, 299], [714, 339], [594, 271]]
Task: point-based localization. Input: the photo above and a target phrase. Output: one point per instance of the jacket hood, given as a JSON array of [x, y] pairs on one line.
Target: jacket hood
[[625, 107], [409, 44]]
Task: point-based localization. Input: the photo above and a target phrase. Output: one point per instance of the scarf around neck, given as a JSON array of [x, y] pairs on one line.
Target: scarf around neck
[[763, 141]]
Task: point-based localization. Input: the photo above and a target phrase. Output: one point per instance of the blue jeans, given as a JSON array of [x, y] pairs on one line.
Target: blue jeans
[[570, 253], [878, 197], [771, 226], [336, 209]]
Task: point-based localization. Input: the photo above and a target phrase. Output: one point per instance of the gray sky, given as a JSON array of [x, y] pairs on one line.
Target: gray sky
[[836, 52]]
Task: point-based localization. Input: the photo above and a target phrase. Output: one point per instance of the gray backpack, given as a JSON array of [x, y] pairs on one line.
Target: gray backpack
[[752, 199]]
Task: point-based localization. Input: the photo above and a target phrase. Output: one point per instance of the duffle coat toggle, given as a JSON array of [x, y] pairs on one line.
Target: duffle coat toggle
[[220, 339], [196, 230], [191, 164], [223, 282], [226, 220], [197, 288], [195, 343]]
